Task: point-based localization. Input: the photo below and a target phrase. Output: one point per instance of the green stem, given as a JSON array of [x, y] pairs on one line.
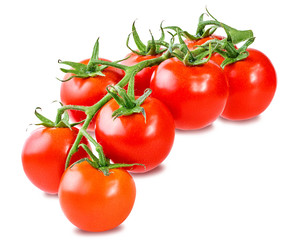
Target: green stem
[[62, 109], [94, 162], [234, 35], [112, 64], [102, 161], [231, 50], [91, 111]]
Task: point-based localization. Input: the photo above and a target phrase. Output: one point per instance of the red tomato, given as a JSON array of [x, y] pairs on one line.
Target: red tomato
[[142, 78], [252, 86], [87, 91], [44, 155], [95, 202], [195, 95], [216, 57], [129, 139]]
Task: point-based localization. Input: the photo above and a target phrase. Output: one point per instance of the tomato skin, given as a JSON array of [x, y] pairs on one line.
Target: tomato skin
[[252, 85], [195, 95], [142, 78], [95, 202], [216, 57], [128, 139], [44, 155], [87, 91]]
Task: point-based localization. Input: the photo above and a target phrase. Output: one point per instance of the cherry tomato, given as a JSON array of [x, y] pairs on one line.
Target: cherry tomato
[[142, 78], [195, 95], [252, 86], [87, 91], [216, 57], [44, 155], [129, 139], [95, 202]]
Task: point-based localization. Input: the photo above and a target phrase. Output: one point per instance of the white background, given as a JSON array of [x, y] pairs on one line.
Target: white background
[[233, 180]]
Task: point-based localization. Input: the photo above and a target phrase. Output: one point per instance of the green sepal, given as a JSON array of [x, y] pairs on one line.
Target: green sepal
[[92, 164], [122, 165], [80, 70], [105, 170], [122, 111], [95, 162], [242, 54], [153, 46], [180, 50], [235, 36], [140, 45], [205, 56], [182, 32], [195, 57], [63, 123], [128, 104], [200, 32], [78, 162], [44, 121]]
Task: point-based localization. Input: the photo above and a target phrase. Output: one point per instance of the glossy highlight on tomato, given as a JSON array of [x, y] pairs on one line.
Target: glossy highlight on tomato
[[93, 201], [44, 155], [142, 78], [252, 85], [88, 91], [195, 95], [131, 139]]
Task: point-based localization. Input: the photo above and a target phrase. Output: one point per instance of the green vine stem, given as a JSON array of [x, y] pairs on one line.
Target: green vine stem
[[61, 110], [180, 51], [130, 72]]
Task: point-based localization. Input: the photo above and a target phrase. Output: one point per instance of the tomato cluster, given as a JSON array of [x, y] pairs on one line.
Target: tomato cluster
[[129, 110]]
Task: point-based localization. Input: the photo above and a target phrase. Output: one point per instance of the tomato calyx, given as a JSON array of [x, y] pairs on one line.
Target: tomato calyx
[[94, 67], [225, 47], [127, 102], [232, 55], [201, 32], [188, 57], [102, 163], [63, 122], [153, 46]]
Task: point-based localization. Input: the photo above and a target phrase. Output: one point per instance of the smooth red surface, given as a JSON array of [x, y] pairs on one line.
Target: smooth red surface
[[129, 139], [142, 78], [88, 91], [252, 85], [95, 202], [44, 155], [195, 95]]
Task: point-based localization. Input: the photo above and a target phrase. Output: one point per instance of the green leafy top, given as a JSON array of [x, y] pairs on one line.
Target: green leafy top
[[225, 47], [81, 70], [62, 123], [153, 47], [127, 102]]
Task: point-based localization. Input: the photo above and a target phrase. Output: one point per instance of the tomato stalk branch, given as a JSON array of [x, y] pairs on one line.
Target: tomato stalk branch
[[130, 72], [102, 161], [61, 110]]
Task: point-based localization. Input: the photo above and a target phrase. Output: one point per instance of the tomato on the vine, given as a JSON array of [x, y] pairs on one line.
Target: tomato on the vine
[[142, 78], [195, 95], [252, 85], [87, 91], [132, 139], [44, 155], [93, 201]]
